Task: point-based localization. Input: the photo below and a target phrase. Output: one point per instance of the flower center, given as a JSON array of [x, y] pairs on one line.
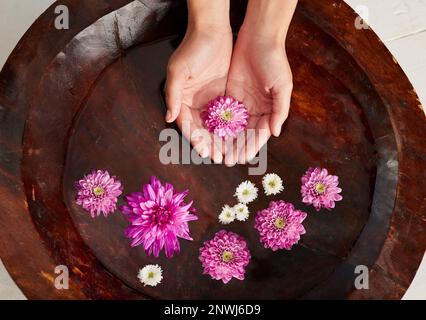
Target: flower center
[[162, 216], [279, 223], [226, 115], [228, 215], [98, 191], [320, 187], [272, 184], [151, 275], [246, 192], [227, 256]]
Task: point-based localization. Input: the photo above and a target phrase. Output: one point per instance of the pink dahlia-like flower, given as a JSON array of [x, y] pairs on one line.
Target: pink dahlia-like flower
[[320, 188], [280, 225], [97, 193], [225, 116], [158, 216], [225, 256]]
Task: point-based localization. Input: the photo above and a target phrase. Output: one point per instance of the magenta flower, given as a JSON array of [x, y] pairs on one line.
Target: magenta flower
[[320, 189], [225, 256], [225, 116], [98, 193], [280, 225], [158, 217]]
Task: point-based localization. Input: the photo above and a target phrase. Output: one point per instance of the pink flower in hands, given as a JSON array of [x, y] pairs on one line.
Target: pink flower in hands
[[320, 189], [158, 217], [225, 116], [98, 193], [225, 256], [280, 225]]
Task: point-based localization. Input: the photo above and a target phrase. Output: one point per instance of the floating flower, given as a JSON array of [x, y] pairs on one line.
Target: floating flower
[[225, 256], [272, 184], [246, 192], [320, 189], [98, 193], [280, 225], [241, 212], [227, 215], [158, 217], [151, 275], [225, 116]]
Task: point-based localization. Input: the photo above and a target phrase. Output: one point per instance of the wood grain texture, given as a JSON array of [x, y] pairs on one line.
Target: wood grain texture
[[90, 97]]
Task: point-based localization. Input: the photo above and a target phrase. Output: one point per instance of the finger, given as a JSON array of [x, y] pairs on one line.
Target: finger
[[231, 152], [280, 108], [237, 145], [200, 141], [247, 138], [196, 135], [256, 140], [174, 87], [206, 144], [233, 146], [216, 153]]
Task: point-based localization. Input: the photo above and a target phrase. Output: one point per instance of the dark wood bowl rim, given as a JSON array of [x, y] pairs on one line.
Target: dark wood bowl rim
[[398, 97]]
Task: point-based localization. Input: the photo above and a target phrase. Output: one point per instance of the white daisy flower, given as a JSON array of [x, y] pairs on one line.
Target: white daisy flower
[[151, 275], [272, 184], [227, 215], [246, 192], [241, 211]]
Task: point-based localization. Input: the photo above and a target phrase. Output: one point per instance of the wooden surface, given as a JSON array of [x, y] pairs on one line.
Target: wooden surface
[[348, 115]]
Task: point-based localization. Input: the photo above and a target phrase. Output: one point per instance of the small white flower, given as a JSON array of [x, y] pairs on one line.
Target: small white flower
[[246, 192], [272, 184], [151, 275], [241, 211], [227, 215]]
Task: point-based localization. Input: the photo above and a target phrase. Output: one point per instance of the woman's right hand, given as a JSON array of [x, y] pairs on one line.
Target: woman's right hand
[[197, 72]]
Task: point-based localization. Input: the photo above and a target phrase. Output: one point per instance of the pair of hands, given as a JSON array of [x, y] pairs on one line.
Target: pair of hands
[[256, 72]]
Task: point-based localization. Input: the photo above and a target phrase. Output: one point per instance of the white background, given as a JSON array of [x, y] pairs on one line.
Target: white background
[[400, 24]]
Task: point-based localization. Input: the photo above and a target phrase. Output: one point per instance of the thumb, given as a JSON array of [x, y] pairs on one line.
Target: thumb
[[280, 108], [174, 87]]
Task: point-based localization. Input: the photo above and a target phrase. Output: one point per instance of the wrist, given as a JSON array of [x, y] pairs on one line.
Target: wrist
[[254, 34], [268, 19], [250, 39], [209, 28], [209, 16]]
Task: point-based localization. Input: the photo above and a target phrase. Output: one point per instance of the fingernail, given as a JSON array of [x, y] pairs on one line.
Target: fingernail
[[218, 159], [229, 158], [168, 116], [205, 152], [278, 132], [230, 163]]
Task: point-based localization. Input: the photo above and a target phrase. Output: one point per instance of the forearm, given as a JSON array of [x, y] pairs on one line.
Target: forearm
[[208, 14], [269, 18]]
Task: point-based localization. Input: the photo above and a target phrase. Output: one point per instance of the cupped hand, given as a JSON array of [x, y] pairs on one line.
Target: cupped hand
[[197, 72], [261, 78]]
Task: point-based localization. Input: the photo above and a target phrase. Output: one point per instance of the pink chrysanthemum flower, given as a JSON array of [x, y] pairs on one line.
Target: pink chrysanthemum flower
[[225, 256], [320, 188], [225, 116], [158, 216], [280, 225], [98, 193]]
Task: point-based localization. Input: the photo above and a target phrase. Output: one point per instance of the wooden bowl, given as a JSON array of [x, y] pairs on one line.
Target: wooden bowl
[[90, 97]]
